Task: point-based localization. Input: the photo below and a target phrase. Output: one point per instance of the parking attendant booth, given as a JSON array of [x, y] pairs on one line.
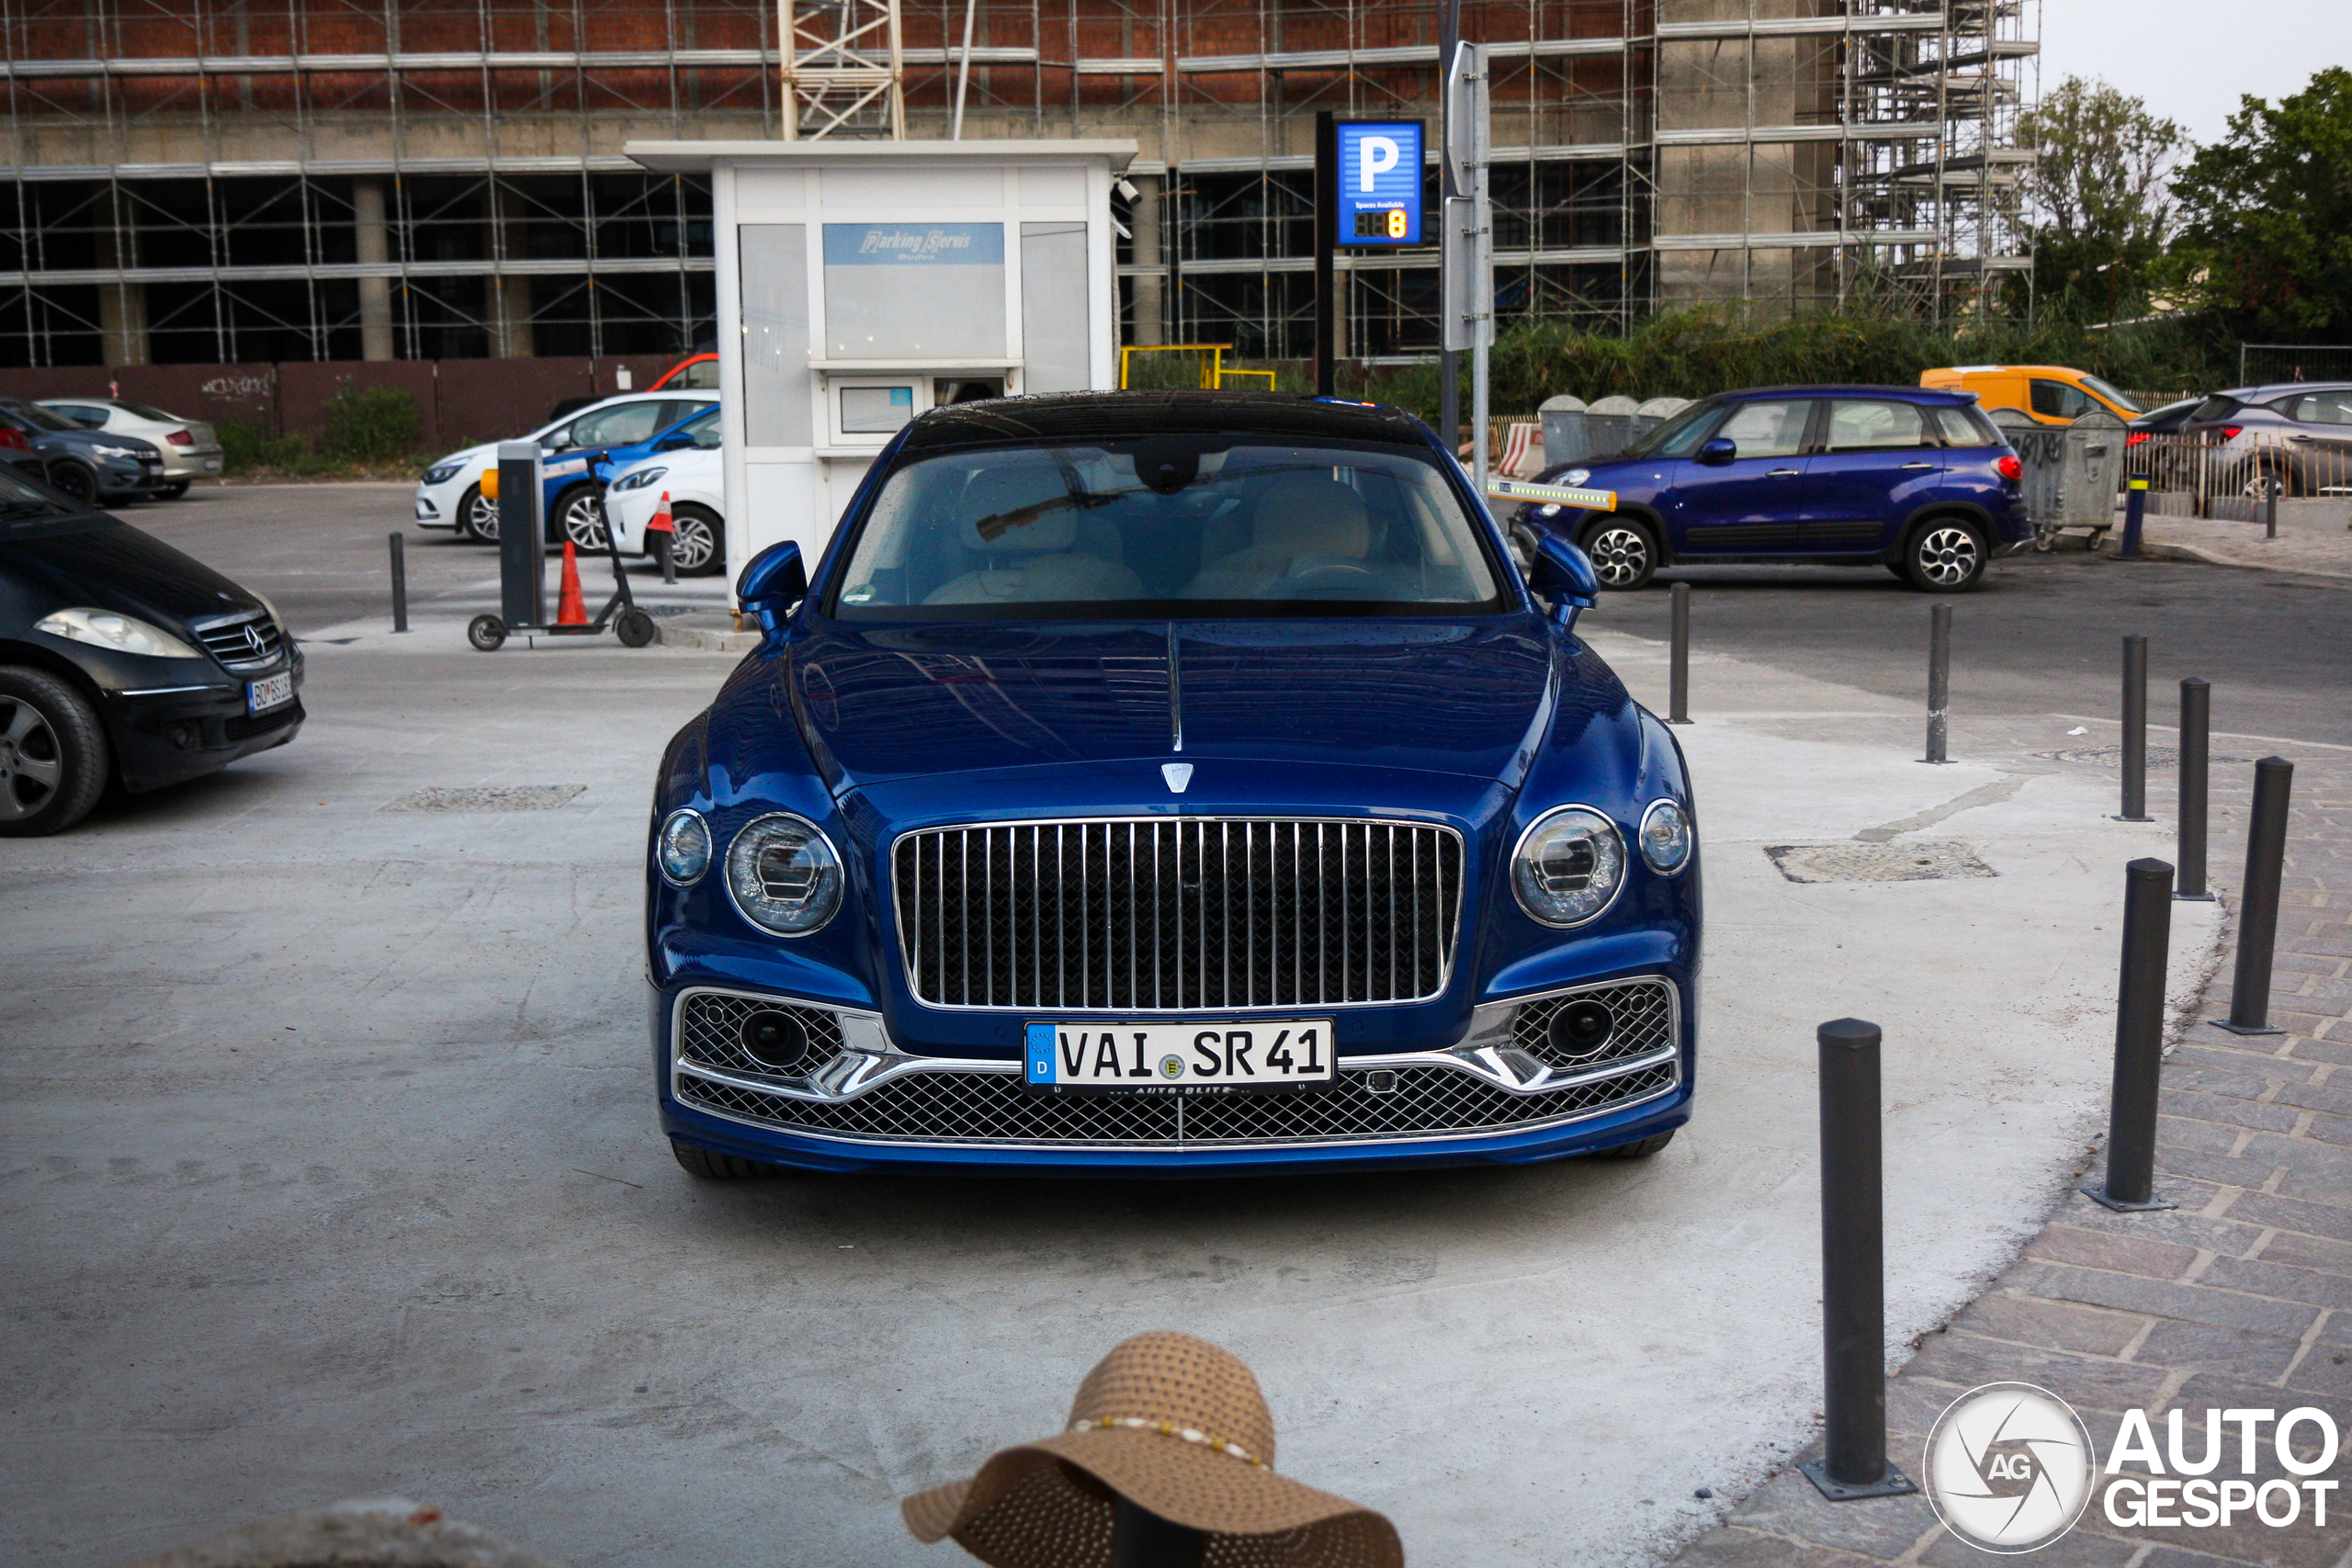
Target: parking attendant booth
[[860, 283]]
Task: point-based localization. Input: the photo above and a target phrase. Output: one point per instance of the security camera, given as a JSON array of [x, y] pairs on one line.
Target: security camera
[[1126, 188]]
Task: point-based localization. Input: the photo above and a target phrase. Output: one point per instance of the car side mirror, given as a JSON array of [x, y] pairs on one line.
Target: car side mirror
[[676, 442], [1563, 574], [772, 585], [1721, 449]]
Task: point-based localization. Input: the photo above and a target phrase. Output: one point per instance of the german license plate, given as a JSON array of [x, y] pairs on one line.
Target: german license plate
[[1181, 1058], [276, 691]]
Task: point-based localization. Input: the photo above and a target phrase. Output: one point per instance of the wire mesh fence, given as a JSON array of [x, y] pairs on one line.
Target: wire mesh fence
[[2269, 364]]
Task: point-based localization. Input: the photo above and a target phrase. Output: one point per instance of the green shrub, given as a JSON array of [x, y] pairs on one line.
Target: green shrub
[[248, 448], [370, 425]]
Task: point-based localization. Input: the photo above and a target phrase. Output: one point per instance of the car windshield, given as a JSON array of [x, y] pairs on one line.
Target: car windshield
[[1677, 437], [2121, 400], [33, 414], [702, 428], [147, 411], [1228, 526], [20, 500]]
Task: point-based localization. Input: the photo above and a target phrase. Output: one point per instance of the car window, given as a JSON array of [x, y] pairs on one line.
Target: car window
[[2324, 407], [83, 414], [1959, 429], [1768, 429], [2119, 399], [37, 416], [1678, 436], [1856, 425], [706, 429], [702, 376], [2215, 407], [2057, 399], [1069, 532], [147, 411], [618, 426]]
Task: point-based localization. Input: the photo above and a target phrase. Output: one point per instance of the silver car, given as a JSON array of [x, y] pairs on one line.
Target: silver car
[[2293, 438], [190, 448]]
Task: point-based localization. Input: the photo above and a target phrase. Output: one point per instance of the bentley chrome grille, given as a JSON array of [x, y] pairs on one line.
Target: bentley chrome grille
[[1178, 914]]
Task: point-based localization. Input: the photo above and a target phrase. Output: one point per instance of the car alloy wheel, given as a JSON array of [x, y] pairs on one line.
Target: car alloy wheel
[[1947, 555], [76, 481], [52, 754], [693, 547], [2264, 483], [31, 766], [478, 517], [1621, 556], [581, 515]]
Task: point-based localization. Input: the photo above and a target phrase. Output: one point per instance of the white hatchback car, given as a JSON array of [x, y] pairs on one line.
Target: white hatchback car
[[191, 449], [691, 479], [449, 494]]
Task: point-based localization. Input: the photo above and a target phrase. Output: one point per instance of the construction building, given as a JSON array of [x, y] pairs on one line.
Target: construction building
[[215, 181]]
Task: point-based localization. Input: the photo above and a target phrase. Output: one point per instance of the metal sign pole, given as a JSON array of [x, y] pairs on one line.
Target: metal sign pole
[[1449, 360], [1468, 271], [1326, 222]]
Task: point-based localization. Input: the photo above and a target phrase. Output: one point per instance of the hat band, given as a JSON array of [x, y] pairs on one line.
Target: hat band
[[1170, 1429]]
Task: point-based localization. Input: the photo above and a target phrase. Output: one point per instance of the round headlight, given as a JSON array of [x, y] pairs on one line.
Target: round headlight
[[684, 847], [1568, 866], [1667, 837], [785, 875], [1575, 476]]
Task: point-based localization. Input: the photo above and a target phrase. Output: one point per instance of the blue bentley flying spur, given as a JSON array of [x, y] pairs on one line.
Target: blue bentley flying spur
[[1167, 783]]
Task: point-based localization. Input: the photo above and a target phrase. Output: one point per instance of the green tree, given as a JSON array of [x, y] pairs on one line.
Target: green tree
[[2267, 236], [2098, 189]]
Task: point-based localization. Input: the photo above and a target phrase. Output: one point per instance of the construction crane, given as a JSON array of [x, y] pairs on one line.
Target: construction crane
[[845, 73]]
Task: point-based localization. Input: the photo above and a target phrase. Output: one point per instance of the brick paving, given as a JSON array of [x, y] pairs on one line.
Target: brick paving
[[2240, 1297]]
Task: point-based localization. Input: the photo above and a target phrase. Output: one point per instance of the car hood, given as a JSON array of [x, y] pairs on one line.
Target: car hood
[[1451, 696], [484, 453], [109, 565]]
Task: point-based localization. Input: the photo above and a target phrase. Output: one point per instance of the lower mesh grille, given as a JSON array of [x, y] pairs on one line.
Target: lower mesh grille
[[997, 1108], [1644, 1011]]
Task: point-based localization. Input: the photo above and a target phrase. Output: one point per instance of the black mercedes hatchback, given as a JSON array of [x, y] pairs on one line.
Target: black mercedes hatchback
[[122, 660]]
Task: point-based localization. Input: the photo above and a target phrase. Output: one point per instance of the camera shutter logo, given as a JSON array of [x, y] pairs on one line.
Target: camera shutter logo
[[2009, 1467]]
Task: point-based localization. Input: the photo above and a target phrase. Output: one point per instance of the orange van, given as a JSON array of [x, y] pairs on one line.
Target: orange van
[[2053, 394]]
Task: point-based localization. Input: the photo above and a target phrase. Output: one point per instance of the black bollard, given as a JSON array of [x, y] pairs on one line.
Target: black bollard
[[2195, 754], [2131, 1182], [1141, 1539], [2270, 507], [1853, 1272], [2136, 509], [2266, 865], [663, 541], [1938, 680], [400, 583], [1679, 707], [2135, 731]]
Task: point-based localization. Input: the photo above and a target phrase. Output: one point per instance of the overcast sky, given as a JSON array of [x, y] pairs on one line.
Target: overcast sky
[[2191, 59]]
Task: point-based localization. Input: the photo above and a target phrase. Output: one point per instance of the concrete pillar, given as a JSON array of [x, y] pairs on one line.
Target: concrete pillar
[[373, 239], [1150, 290], [510, 295], [123, 307]]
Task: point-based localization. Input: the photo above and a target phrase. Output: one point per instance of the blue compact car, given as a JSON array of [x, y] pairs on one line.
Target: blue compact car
[[1916, 480], [572, 483], [1165, 784]]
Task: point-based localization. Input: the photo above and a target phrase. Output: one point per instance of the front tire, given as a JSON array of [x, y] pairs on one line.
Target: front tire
[[635, 627], [579, 517], [706, 1166], [52, 754], [173, 491], [698, 546], [1624, 552], [476, 516], [487, 633], [1945, 554], [76, 481]]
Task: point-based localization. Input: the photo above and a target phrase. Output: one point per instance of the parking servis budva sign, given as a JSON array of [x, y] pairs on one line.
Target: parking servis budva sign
[[916, 244]]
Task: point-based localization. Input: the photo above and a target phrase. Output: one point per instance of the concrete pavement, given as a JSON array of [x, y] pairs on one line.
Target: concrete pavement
[[329, 1169]]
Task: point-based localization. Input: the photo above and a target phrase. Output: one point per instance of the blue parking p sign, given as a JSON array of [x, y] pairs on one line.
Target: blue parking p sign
[[1380, 182]]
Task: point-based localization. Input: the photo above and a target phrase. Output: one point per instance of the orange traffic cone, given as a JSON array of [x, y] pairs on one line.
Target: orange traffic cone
[[659, 522], [570, 610]]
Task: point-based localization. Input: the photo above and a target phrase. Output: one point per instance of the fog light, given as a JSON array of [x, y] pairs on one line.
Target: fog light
[[1582, 1028], [776, 1039], [185, 735]]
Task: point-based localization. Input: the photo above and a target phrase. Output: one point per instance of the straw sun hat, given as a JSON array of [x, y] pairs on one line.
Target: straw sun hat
[[1178, 1427]]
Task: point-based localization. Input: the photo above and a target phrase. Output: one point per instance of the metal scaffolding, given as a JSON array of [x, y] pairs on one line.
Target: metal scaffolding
[[224, 180]]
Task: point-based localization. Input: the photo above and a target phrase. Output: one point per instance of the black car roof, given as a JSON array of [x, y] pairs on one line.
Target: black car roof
[[1115, 416]]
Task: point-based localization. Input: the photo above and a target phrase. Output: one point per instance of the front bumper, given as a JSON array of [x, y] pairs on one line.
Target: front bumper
[[130, 476], [855, 1101], [163, 736]]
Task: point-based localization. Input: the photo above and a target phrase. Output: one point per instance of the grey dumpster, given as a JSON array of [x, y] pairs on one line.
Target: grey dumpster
[[2071, 472], [1612, 422], [1565, 439]]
